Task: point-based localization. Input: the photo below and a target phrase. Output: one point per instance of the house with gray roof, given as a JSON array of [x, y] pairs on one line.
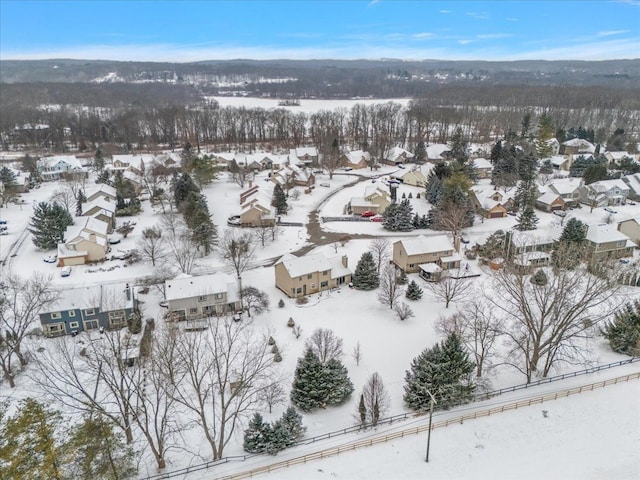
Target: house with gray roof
[[194, 298], [300, 276]]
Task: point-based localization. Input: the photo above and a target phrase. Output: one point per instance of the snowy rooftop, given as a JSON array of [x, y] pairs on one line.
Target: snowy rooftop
[[436, 151], [84, 227], [606, 185], [422, 244], [482, 163], [106, 298], [70, 160], [187, 287], [394, 153], [357, 155], [535, 237], [566, 186], [316, 262], [633, 181], [548, 197], [607, 233], [103, 188]]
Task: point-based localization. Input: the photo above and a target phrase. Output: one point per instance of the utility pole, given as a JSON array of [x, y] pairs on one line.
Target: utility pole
[[433, 400]]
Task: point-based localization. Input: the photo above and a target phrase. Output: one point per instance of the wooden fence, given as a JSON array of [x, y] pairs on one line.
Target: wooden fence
[[329, 452]]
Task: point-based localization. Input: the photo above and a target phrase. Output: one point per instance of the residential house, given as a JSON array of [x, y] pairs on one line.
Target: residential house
[[437, 153], [293, 174], [559, 162], [614, 158], [300, 276], [413, 177], [58, 166], [133, 163], [409, 255], [306, 156], [606, 242], [89, 309], [482, 167], [397, 155], [85, 241], [577, 146], [519, 242], [22, 181], [225, 158], [550, 201], [633, 182], [102, 191], [357, 159], [631, 228], [256, 207], [568, 189], [193, 298], [604, 193], [490, 203], [102, 210], [554, 146], [375, 199]]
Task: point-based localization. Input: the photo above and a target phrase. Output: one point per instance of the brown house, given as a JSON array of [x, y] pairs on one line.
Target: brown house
[[299, 276], [549, 202], [409, 255], [490, 203]]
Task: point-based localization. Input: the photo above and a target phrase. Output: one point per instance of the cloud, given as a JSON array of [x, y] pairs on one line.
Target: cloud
[[478, 15], [422, 35], [512, 19], [610, 33], [635, 3], [465, 42], [445, 11], [373, 2]]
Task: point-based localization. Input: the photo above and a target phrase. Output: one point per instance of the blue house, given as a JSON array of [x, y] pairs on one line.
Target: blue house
[[83, 309]]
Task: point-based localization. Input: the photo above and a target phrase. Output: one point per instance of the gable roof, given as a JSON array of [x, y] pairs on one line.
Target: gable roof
[[186, 286], [396, 152], [106, 298], [567, 186], [606, 233], [434, 152], [103, 188], [316, 262], [105, 206], [633, 181], [422, 244], [548, 198]]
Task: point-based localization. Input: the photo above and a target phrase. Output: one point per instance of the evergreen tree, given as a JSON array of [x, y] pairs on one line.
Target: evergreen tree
[[317, 385], [623, 332], [9, 189], [279, 200], [574, 231], [496, 152], [182, 186], [48, 224], [494, 246], [293, 422], [435, 183], [595, 173], [362, 410], [30, 443], [443, 370], [257, 435], [414, 292], [420, 154], [397, 217], [98, 162], [366, 275], [402, 278], [527, 219], [79, 201]]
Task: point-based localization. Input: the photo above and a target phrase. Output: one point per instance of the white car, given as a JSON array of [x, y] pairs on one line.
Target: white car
[[325, 185], [610, 210], [65, 271], [50, 259]]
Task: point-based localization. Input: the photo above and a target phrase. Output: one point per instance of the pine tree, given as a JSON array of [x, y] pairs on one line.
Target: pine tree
[[443, 370], [9, 190], [362, 410], [318, 385], [623, 332], [398, 217], [527, 220], [574, 231], [279, 200], [366, 275], [182, 186], [293, 421], [48, 224], [414, 292], [257, 435], [402, 278], [420, 153]]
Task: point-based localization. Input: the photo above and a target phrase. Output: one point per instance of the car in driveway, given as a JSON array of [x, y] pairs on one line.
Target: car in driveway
[[3, 222], [325, 185], [65, 271], [376, 218], [50, 259], [560, 213], [610, 210], [368, 213]]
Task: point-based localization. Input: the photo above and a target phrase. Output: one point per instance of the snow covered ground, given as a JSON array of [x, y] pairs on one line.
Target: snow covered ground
[[588, 436]]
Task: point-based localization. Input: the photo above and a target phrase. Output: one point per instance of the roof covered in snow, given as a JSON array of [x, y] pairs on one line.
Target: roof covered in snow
[[188, 287], [317, 262], [422, 244]]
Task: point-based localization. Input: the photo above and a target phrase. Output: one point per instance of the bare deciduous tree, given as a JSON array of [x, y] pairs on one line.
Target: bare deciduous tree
[[547, 324], [449, 289], [477, 328], [220, 376], [325, 344], [20, 303], [403, 311], [379, 248], [390, 290], [151, 246], [266, 231], [274, 394], [255, 301], [357, 354], [184, 253], [65, 198], [376, 398], [237, 250], [172, 223], [297, 331]]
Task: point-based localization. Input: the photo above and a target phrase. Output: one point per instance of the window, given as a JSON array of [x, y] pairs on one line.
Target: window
[[117, 317], [193, 310], [56, 316], [310, 275], [219, 296], [202, 298], [55, 328], [73, 324], [90, 311], [298, 290], [325, 273], [324, 284], [313, 285], [72, 313]]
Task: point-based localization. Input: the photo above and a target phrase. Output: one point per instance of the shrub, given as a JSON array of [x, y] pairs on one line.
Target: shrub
[[291, 323], [281, 303], [302, 300]]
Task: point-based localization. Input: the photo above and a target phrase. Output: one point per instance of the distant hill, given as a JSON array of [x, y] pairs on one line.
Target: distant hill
[[386, 78]]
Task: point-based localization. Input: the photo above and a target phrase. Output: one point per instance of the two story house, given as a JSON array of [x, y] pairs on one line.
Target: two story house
[[103, 192], [604, 193], [193, 298], [56, 167], [306, 156], [410, 255], [356, 159], [375, 199], [633, 182], [85, 241], [631, 228], [300, 276], [89, 308], [490, 203], [606, 242], [397, 155], [102, 210]]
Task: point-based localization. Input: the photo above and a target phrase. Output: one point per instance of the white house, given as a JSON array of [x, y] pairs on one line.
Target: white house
[[54, 168], [604, 193], [192, 298]]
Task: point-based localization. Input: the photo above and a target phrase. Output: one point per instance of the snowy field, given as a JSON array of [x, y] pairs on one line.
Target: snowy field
[[595, 435], [307, 106]]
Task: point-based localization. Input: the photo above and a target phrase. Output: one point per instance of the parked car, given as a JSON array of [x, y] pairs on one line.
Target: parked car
[[4, 232], [631, 203], [3, 222], [560, 213], [347, 169], [50, 259], [400, 165], [464, 239], [3, 227], [325, 185], [66, 271], [115, 238], [368, 213], [376, 218], [610, 210]]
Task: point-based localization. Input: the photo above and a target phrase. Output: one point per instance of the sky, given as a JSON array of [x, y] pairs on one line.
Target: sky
[[185, 31]]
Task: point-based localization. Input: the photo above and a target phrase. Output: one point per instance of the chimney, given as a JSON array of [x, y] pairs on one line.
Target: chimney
[[456, 243], [345, 261]]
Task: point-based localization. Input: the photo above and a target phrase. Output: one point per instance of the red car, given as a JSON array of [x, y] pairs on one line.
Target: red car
[[376, 218], [368, 213]]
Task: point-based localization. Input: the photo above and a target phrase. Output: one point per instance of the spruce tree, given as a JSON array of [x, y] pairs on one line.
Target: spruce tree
[[443, 370], [362, 410], [257, 435], [318, 385], [574, 231], [293, 421], [279, 200], [366, 275], [414, 292], [404, 216], [527, 220], [48, 224], [623, 332]]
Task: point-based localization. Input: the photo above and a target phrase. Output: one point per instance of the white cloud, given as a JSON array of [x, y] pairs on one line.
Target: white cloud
[[445, 11], [478, 15], [465, 42], [512, 19], [422, 35], [610, 33]]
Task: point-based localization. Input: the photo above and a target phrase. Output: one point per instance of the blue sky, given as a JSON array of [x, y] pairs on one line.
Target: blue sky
[[186, 31]]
